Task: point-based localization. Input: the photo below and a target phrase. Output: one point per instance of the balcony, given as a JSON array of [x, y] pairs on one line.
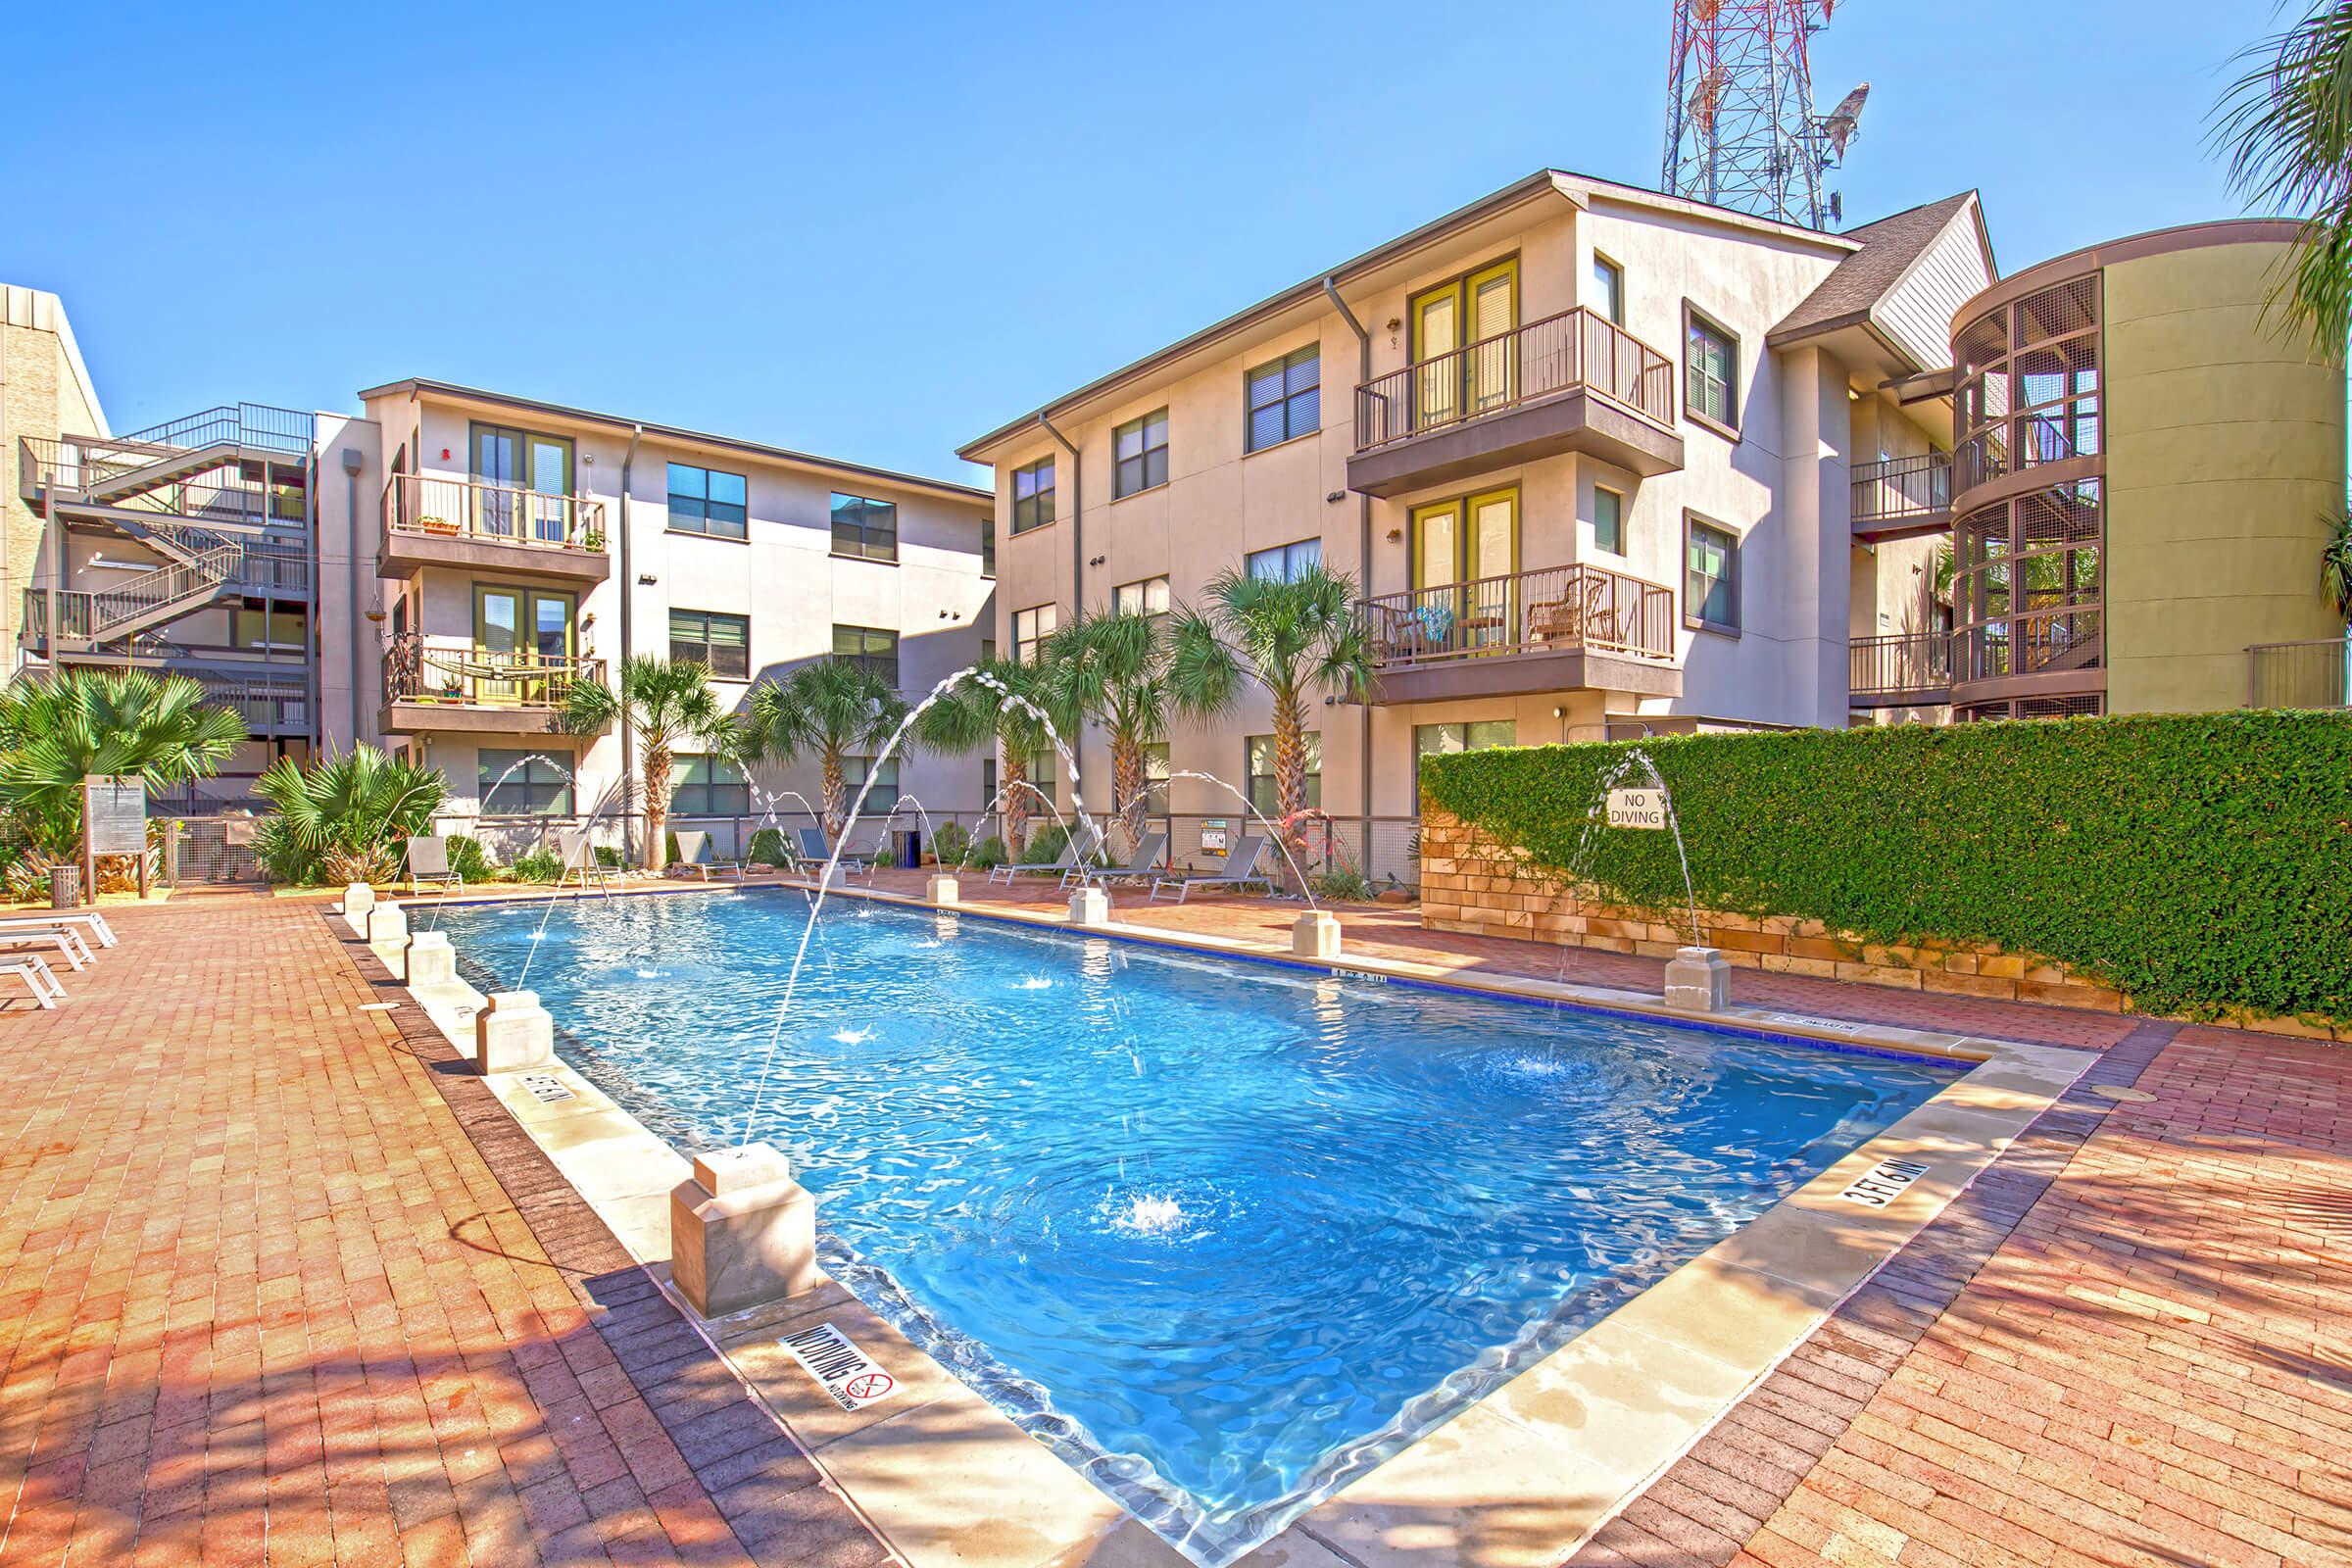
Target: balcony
[[2304, 674], [1900, 498], [470, 525], [1559, 628], [467, 691], [1574, 382], [1909, 669]]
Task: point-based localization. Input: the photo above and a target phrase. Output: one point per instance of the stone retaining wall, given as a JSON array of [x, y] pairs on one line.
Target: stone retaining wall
[[1470, 883]]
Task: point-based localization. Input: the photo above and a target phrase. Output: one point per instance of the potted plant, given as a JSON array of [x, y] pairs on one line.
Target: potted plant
[[593, 540], [434, 524]]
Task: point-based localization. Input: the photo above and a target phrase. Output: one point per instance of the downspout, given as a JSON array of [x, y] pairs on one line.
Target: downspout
[[1363, 555], [352, 460], [628, 594]]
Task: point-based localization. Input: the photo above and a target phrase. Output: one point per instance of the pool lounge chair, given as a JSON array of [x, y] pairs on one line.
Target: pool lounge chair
[[65, 939], [91, 922], [428, 862], [1241, 869], [579, 855], [694, 854], [1140, 866], [1078, 855], [815, 852], [37, 976]]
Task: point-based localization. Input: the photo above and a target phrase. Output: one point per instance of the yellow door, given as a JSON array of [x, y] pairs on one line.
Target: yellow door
[[1491, 546], [1437, 332], [1492, 301]]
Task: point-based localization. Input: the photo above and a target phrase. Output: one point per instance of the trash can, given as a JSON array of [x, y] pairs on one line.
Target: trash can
[[907, 851], [65, 887]]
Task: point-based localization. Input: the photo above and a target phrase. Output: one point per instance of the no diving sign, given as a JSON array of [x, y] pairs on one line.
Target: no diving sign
[[1638, 809], [852, 1378]]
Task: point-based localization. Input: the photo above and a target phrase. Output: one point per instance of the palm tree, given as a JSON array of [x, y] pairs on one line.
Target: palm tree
[[1114, 669], [2287, 124], [664, 702], [835, 708], [1292, 636], [341, 819], [58, 731], [975, 715]]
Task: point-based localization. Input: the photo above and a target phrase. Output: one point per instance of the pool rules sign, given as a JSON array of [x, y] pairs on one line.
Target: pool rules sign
[[1638, 809]]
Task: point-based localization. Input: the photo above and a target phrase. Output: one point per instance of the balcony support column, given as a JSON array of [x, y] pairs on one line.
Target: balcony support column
[[1817, 509]]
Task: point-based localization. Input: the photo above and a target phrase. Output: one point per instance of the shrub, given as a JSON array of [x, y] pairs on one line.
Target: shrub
[[767, 847], [540, 865], [669, 849], [344, 818], [1046, 845], [989, 854], [2193, 861], [1343, 885], [607, 856], [950, 841], [467, 858]]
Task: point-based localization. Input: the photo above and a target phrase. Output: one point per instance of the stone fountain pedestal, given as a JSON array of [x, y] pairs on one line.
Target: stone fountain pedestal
[[943, 888], [428, 960], [742, 1232], [512, 1033], [1315, 935], [388, 923], [1089, 907], [358, 899], [1699, 980]]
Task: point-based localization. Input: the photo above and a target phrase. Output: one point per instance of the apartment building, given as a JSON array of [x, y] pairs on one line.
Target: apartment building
[[45, 391], [1590, 453]]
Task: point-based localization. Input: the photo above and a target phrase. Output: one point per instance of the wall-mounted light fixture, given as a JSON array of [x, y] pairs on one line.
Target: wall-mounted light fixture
[[1336, 497], [1396, 536], [646, 579], [1098, 560]]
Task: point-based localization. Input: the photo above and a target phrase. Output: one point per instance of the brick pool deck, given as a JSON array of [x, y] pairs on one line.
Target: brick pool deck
[[278, 1285]]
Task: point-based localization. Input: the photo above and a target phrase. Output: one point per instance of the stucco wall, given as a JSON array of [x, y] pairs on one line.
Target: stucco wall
[[2225, 461]]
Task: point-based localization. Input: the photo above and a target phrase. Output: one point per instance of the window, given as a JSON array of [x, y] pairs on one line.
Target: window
[[1147, 598], [1445, 740], [705, 786], [988, 785], [1608, 288], [1608, 520], [268, 628], [1287, 561], [988, 547], [1139, 451], [520, 784], [1156, 779], [988, 650], [1030, 629], [1033, 496], [853, 772], [1260, 766], [1710, 577], [707, 500], [722, 642], [1286, 398], [865, 528], [1711, 373], [870, 647], [1044, 774]]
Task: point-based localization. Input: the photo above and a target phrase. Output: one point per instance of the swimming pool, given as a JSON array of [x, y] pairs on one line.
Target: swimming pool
[[1223, 1234]]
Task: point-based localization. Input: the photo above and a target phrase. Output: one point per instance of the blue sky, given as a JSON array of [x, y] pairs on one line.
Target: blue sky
[[876, 231]]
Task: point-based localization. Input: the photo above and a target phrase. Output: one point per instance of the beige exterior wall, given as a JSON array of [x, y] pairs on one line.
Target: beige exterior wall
[[45, 392], [2225, 464]]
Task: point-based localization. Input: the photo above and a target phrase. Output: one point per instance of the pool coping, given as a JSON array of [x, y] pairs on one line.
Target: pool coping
[[1562, 1447]]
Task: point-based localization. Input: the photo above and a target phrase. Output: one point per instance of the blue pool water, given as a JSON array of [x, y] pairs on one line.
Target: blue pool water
[[1223, 1234]]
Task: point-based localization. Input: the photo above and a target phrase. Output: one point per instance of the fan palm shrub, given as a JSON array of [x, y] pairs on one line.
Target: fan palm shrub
[[833, 708], [76, 723], [1114, 669], [344, 818], [664, 702], [999, 709]]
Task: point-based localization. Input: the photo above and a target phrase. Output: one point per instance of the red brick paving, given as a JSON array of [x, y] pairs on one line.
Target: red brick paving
[[261, 1299]]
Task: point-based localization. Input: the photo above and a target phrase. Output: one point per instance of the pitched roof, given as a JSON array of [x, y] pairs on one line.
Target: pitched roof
[[1855, 285]]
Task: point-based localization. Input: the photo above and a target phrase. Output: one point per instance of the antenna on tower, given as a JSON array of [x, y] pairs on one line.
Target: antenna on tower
[[1740, 129]]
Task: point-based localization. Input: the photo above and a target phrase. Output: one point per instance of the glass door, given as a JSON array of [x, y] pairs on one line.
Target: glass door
[[550, 480], [1465, 339], [551, 644], [498, 470], [1437, 322], [496, 642], [526, 481]]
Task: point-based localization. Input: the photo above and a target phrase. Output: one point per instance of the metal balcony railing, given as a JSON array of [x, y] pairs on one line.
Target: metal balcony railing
[[473, 509], [1577, 349], [1916, 665], [471, 678], [2062, 637], [1556, 609], [2300, 674], [1897, 489]]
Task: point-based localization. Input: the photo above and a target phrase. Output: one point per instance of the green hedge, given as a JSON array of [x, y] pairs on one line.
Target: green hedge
[[2197, 863]]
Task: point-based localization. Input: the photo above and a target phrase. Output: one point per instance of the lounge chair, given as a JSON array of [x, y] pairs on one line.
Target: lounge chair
[[1140, 866], [37, 976], [815, 852], [579, 855], [1241, 869], [65, 939], [428, 862], [92, 924], [1076, 855], [694, 854]]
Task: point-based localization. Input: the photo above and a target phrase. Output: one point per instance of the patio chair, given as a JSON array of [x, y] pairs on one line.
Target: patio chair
[[92, 923], [694, 854], [579, 855], [65, 939], [1242, 868], [1076, 855], [815, 852], [1140, 866], [428, 862], [39, 979]]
